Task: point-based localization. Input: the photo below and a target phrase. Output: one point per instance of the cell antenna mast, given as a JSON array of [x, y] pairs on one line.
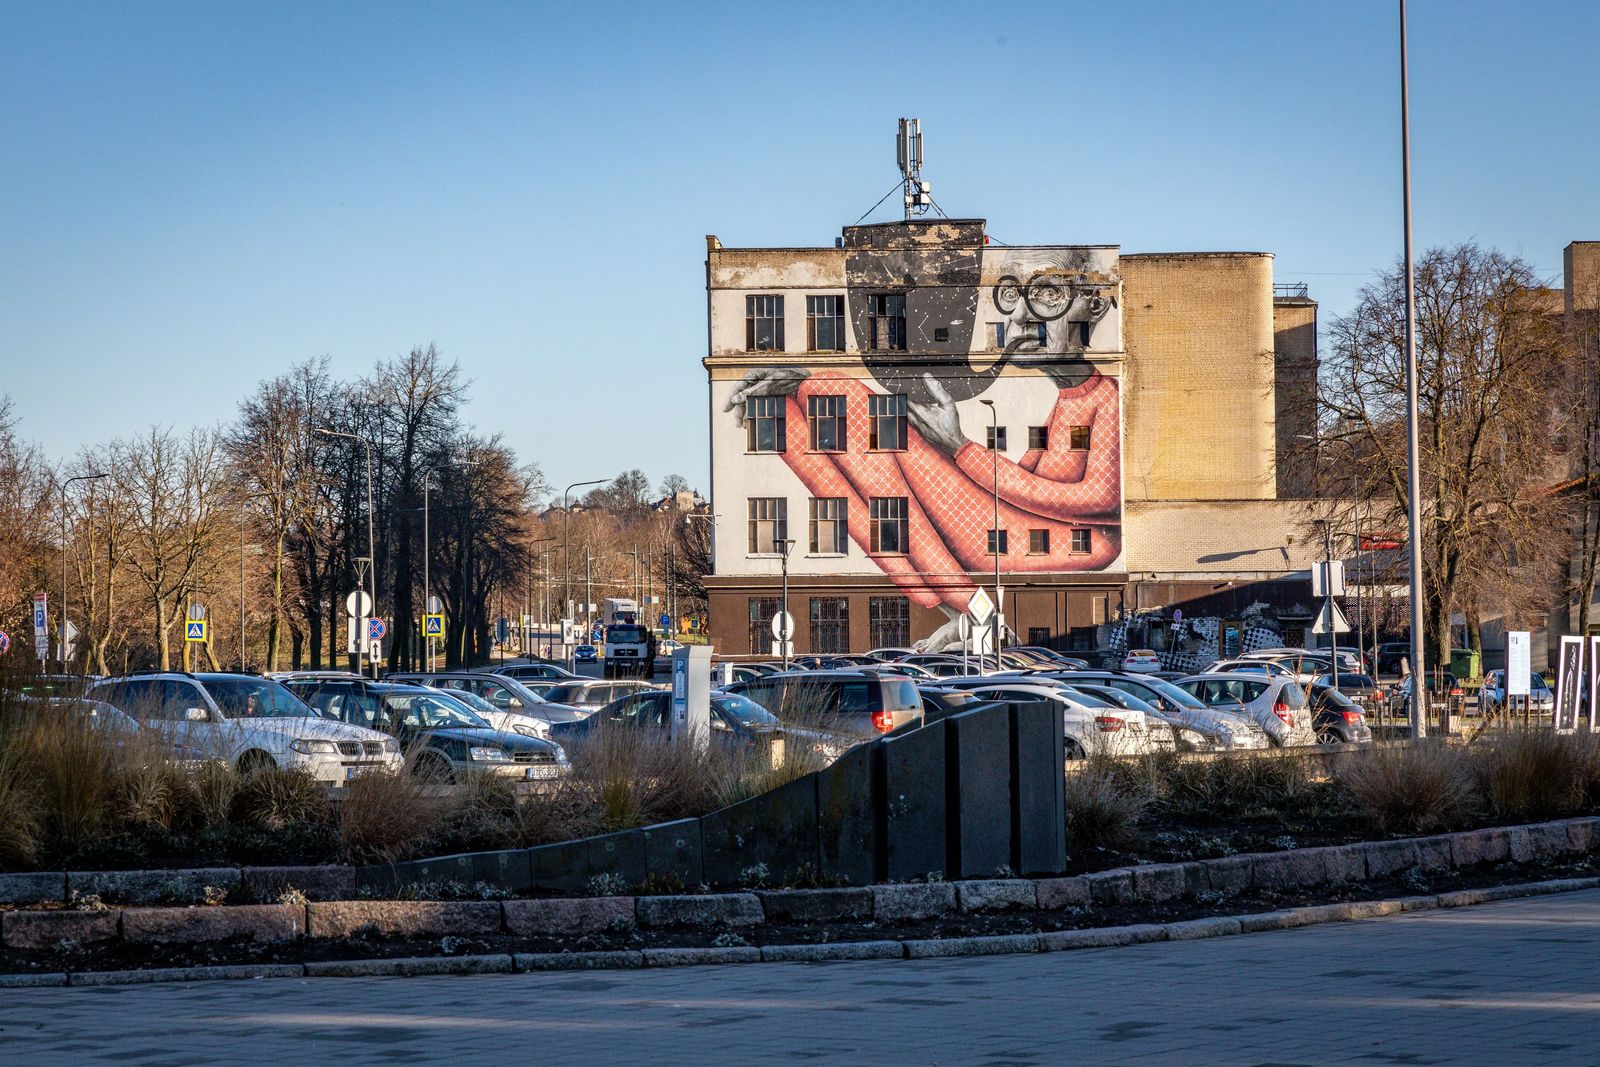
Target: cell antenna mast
[[908, 149]]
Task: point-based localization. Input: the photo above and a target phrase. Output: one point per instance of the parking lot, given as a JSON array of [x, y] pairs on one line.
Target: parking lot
[[1502, 983]]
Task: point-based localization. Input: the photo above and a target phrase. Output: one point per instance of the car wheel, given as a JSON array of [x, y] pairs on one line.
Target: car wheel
[[253, 761], [1075, 750], [1329, 737], [433, 767]]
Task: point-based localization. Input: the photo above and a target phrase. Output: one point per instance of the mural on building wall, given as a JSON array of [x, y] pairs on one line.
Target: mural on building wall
[[1060, 504]]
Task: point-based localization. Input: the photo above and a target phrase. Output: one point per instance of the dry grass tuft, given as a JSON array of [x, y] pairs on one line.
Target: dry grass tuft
[[1103, 805], [385, 815], [273, 798], [1419, 788], [1536, 774]]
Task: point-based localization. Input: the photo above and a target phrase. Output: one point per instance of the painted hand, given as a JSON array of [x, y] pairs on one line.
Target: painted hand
[[937, 422], [945, 637], [1068, 371], [764, 381]]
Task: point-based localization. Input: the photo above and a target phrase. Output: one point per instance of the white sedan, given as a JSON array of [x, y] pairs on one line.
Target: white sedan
[[1107, 730], [1141, 661]]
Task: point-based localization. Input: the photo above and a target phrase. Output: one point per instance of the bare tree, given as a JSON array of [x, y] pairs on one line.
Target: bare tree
[[1580, 440], [1487, 344]]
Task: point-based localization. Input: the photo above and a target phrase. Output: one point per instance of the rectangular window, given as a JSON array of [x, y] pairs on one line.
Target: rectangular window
[[890, 533], [769, 524], [762, 609], [829, 531], [763, 323], [1038, 437], [1001, 540], [1039, 542], [1039, 332], [886, 322], [825, 415], [995, 436], [764, 423], [888, 621], [888, 417], [1081, 639], [1078, 438], [1082, 541], [825, 323], [830, 624], [1039, 635], [999, 335]]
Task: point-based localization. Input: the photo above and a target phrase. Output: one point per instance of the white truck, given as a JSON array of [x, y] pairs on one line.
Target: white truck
[[630, 646]]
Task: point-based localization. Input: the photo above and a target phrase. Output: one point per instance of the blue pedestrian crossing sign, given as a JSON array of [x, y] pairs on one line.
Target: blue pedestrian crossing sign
[[433, 626], [194, 630]]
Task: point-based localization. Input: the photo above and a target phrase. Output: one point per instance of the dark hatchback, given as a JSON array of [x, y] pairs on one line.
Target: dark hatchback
[[1336, 718], [443, 738], [735, 720]]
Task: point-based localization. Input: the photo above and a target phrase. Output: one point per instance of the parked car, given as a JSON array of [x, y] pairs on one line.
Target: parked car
[[1336, 718], [901, 670], [444, 739], [885, 655], [522, 671], [1185, 738], [735, 720], [1492, 696], [855, 703], [252, 723], [939, 702], [55, 685], [1391, 654], [1361, 688], [1257, 666], [1141, 661], [1439, 689], [1049, 656], [585, 654], [1220, 728], [1277, 705], [588, 694], [520, 708], [1088, 727]]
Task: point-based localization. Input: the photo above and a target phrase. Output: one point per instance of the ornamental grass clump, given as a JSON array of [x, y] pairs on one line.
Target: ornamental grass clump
[[1536, 773], [1412, 788], [1103, 806]]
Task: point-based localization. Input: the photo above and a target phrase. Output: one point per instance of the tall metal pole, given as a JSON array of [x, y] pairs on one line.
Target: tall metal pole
[[1418, 709], [372, 540], [427, 586], [994, 453], [566, 542], [786, 641], [241, 596], [61, 640]]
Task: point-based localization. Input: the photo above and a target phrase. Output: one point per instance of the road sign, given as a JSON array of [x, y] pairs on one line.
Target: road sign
[[502, 630], [783, 648], [375, 650], [666, 621], [596, 633], [376, 628], [353, 629], [5, 642], [69, 647], [964, 628], [41, 616], [433, 626], [1177, 614], [435, 606], [980, 607], [1518, 667], [782, 626], [197, 612], [194, 630], [1326, 574], [358, 604], [1341, 625], [41, 647]]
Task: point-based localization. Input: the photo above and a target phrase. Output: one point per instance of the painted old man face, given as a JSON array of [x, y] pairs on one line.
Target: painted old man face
[[1049, 304]]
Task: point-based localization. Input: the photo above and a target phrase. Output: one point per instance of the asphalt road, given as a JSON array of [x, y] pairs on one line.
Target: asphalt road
[[1505, 983]]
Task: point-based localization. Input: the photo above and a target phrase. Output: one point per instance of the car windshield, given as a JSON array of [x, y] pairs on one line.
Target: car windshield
[[747, 711], [431, 711], [1327, 696], [632, 635], [473, 701], [1179, 696], [256, 698], [1352, 681]]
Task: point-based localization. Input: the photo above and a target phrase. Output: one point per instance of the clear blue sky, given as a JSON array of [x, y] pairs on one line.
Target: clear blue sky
[[195, 195]]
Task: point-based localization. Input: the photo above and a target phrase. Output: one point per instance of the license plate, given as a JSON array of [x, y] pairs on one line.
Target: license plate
[[538, 773]]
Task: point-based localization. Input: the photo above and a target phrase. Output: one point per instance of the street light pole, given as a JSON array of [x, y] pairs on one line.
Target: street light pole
[[61, 646], [1419, 725], [566, 541], [372, 540], [784, 642], [427, 586], [994, 453]]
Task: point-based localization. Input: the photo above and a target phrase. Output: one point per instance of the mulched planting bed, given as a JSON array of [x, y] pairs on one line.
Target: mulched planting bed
[[121, 956]]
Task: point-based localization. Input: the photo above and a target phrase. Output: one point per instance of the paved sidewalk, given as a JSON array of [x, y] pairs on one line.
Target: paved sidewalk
[[1515, 982]]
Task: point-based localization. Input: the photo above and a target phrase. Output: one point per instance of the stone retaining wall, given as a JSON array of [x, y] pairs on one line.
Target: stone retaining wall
[[889, 903]]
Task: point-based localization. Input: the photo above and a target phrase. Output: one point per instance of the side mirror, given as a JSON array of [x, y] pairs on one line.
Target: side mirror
[[513, 702], [196, 715]]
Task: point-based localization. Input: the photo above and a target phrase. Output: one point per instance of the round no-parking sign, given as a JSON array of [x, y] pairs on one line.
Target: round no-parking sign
[[5, 642]]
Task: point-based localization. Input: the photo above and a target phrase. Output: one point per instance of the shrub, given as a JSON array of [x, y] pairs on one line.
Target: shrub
[[384, 816], [1419, 788], [19, 817], [73, 768], [1535, 774], [1102, 806], [1235, 784], [274, 797]]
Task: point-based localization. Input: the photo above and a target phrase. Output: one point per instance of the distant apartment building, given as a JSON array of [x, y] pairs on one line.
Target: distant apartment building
[[1141, 414]]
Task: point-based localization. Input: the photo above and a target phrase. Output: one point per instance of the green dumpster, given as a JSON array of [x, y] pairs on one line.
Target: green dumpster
[[1466, 663]]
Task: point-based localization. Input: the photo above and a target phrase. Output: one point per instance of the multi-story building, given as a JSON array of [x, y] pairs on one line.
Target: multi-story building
[[1133, 419]]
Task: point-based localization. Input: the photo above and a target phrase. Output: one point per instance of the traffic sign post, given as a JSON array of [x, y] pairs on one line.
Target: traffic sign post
[[433, 626], [41, 625], [194, 631], [5, 642], [358, 605], [376, 628]]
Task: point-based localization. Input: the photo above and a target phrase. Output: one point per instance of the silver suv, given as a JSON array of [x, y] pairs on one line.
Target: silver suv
[[248, 721]]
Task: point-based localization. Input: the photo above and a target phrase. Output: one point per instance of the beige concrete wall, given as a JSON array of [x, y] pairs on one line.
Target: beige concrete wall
[[1241, 539], [1199, 380], [1581, 263], [1294, 331]]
